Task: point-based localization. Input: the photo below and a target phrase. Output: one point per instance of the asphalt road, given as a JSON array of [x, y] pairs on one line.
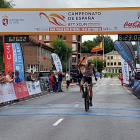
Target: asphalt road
[[115, 115]]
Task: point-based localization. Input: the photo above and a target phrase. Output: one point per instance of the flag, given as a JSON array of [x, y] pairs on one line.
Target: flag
[[98, 48], [57, 62]]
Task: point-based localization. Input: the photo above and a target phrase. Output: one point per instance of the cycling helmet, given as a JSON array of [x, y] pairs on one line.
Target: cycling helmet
[[89, 60]]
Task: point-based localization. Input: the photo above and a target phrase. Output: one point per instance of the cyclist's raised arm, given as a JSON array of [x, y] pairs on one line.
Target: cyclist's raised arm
[[80, 63]]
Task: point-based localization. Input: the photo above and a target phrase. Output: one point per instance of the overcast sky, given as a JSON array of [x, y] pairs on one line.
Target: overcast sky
[[77, 4]]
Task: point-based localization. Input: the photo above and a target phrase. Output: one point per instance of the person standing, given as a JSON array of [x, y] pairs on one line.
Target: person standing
[[68, 79], [51, 82], [54, 84], [121, 77], [60, 78], [17, 79]]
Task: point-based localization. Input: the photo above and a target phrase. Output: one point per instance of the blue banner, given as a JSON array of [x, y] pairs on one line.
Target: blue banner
[[138, 50], [18, 60]]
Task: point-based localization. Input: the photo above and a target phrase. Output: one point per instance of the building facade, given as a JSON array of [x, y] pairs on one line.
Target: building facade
[[75, 42], [37, 55], [113, 62]]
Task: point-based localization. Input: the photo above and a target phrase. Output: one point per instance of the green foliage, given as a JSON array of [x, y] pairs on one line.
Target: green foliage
[[4, 4], [87, 46], [108, 44], [135, 47], [63, 50], [100, 64]]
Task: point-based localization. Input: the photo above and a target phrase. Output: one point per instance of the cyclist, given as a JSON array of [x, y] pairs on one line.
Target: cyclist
[[87, 76]]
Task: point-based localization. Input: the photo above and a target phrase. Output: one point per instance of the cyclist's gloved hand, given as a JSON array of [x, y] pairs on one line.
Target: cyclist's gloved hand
[[95, 79]]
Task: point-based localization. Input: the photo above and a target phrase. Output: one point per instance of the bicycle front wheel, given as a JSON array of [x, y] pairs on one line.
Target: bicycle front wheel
[[86, 101]]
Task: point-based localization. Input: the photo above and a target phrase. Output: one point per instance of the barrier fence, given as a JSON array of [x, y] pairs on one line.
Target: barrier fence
[[14, 91]]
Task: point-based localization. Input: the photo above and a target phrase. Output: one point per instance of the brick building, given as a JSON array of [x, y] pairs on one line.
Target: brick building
[[33, 52], [75, 42]]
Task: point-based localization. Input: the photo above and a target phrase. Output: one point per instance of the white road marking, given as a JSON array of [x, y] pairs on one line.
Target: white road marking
[[59, 121], [36, 97], [33, 98], [21, 101], [26, 100], [76, 105], [6, 106], [118, 84], [48, 94], [111, 84]]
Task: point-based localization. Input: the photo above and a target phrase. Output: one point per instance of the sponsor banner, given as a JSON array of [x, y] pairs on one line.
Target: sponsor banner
[[7, 92], [18, 60], [125, 71], [8, 57], [57, 62], [70, 21], [136, 87], [33, 87], [125, 53], [138, 50], [21, 90]]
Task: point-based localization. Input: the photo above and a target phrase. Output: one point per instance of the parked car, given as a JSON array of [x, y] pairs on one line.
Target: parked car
[[43, 75]]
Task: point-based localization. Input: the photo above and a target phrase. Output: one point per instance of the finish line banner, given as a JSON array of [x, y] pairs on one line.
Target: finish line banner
[[70, 21]]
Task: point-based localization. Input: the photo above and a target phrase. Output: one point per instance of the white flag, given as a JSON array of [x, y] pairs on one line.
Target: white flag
[[57, 62], [125, 71]]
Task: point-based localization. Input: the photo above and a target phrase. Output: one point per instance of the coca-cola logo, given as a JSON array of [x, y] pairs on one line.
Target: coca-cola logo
[[136, 24]]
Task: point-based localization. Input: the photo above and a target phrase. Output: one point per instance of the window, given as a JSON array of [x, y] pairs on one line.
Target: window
[[62, 37], [74, 37], [111, 63], [114, 63], [46, 37], [108, 57], [74, 47], [111, 57], [48, 44], [108, 64], [119, 57], [119, 63], [73, 58], [40, 37]]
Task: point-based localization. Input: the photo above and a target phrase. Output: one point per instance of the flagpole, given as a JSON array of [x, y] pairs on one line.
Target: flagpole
[[96, 61], [103, 48]]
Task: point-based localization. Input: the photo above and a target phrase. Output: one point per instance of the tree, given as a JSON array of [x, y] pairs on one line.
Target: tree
[[108, 44], [4, 4], [100, 64], [63, 50], [87, 46]]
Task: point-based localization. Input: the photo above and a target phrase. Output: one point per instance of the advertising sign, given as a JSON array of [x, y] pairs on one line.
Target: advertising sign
[[70, 21]]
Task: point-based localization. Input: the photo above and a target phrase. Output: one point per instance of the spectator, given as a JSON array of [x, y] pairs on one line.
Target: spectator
[[51, 82], [68, 80], [9, 77], [79, 76], [60, 78], [56, 75], [17, 79], [54, 85], [2, 78], [29, 77]]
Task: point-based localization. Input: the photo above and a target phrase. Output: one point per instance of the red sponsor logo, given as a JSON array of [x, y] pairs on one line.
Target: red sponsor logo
[[136, 24], [5, 20]]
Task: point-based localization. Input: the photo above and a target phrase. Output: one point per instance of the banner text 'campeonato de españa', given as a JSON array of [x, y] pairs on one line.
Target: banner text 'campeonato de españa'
[[70, 21]]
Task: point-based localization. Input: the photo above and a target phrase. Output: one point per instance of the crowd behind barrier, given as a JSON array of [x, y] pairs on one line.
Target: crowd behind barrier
[[14, 91]]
